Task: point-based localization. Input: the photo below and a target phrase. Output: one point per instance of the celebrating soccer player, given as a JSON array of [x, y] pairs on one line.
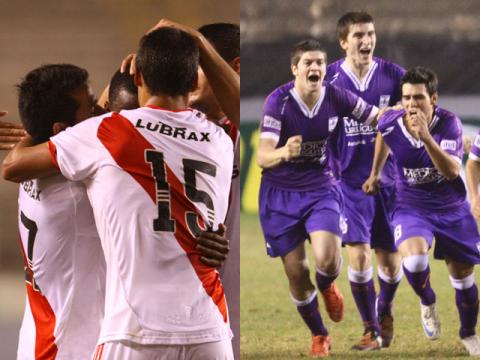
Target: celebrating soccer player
[[426, 141], [299, 197], [368, 218], [173, 299]]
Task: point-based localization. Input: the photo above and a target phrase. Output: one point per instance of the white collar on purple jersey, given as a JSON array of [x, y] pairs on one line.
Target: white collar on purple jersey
[[360, 85], [305, 110], [416, 143]]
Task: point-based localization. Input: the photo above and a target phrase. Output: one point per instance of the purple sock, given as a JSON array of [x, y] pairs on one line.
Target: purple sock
[[385, 296], [467, 305], [420, 282], [364, 295], [311, 316], [324, 280]]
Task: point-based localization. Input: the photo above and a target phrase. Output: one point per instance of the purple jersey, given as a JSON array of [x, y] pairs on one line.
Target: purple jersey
[[420, 184], [353, 149], [475, 151], [286, 115]]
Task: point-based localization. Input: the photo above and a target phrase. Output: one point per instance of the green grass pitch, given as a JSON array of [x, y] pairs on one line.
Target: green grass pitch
[[272, 329]]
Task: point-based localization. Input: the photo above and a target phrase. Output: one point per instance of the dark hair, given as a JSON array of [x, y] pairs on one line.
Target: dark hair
[[168, 60], [351, 18], [224, 37], [302, 47], [44, 98], [421, 75], [122, 92]]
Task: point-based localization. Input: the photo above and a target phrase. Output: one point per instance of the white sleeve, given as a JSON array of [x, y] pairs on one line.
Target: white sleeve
[[77, 150]]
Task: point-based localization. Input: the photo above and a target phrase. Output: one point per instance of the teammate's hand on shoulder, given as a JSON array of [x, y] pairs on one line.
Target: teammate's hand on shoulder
[[10, 133], [383, 110], [293, 147], [371, 185], [213, 246]]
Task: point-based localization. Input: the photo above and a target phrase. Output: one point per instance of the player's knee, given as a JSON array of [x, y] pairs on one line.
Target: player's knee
[[415, 263], [389, 270], [361, 277], [330, 266], [299, 278], [459, 270], [360, 260]]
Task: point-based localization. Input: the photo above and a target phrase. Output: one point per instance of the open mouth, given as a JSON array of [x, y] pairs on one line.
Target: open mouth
[[365, 51], [314, 78]]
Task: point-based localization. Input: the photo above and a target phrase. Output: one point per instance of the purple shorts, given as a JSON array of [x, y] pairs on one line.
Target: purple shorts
[[455, 231], [369, 217], [287, 217]]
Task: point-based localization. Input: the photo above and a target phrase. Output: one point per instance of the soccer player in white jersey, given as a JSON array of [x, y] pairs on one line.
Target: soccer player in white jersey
[[154, 178], [64, 264], [71, 329], [226, 40]]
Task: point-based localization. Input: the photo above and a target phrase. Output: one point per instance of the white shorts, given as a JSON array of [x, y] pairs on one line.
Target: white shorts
[[127, 350]]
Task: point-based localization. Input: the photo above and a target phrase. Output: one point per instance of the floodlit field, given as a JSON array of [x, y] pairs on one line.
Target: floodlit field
[[272, 329]]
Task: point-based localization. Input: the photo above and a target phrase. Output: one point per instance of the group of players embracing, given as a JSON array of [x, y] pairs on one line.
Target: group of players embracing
[[122, 202], [357, 153]]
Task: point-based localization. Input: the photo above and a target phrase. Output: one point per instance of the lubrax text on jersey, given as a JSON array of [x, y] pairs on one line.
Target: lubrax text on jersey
[[176, 132]]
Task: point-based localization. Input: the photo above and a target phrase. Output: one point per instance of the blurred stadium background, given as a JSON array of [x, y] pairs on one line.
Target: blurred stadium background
[[441, 34], [96, 35]]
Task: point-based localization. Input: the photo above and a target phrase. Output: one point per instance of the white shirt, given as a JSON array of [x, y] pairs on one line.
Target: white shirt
[[153, 176], [65, 270]]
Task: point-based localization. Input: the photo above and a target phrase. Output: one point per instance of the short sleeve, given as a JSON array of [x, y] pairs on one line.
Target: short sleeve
[[451, 141], [76, 150], [271, 124]]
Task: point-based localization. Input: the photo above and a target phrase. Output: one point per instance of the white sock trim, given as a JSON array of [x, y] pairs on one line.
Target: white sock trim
[[391, 280], [360, 277], [304, 302], [463, 284], [416, 263], [337, 271]]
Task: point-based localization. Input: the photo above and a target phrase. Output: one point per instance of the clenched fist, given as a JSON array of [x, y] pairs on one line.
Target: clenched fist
[[293, 147]]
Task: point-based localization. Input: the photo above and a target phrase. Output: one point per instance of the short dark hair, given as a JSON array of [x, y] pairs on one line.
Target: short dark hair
[[44, 98], [224, 37], [304, 46], [122, 92], [168, 60], [421, 75], [351, 18]]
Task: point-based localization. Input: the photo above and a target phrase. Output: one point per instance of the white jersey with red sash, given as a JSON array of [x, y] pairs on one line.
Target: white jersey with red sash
[[154, 178], [64, 271]]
